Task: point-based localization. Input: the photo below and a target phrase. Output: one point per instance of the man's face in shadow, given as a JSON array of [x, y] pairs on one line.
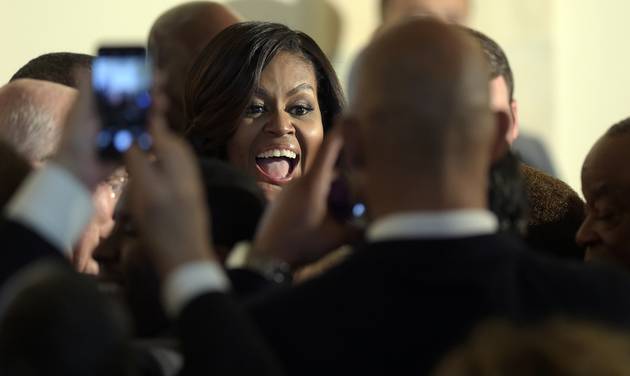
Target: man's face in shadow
[[500, 101], [605, 233]]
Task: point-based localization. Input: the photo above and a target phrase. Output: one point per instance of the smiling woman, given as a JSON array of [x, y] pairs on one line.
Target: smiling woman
[[261, 96]]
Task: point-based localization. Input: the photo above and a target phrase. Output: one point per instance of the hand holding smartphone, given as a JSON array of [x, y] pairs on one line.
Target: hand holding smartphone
[[343, 202], [122, 81]]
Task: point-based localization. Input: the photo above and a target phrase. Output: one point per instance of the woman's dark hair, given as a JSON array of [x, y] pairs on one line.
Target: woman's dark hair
[[222, 80]]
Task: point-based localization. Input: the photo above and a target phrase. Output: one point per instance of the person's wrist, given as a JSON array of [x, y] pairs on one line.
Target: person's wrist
[[270, 266], [275, 254], [169, 260]]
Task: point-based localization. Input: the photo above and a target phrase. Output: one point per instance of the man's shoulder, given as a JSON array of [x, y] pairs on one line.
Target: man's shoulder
[[471, 248], [15, 234], [386, 266]]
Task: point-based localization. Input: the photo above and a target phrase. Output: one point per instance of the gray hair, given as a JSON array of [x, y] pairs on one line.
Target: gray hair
[[29, 127]]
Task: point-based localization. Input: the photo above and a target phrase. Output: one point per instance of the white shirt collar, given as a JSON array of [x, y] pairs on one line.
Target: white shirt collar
[[438, 224]]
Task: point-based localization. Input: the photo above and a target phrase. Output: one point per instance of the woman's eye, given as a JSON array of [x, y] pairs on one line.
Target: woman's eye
[[300, 110], [255, 110]]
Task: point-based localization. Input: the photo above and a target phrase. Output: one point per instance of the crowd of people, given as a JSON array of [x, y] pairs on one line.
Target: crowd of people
[[281, 226]]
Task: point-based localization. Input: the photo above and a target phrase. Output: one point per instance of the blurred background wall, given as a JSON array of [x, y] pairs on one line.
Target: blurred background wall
[[570, 57]]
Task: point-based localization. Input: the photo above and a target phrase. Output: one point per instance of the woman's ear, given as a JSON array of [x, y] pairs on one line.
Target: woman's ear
[[500, 145]]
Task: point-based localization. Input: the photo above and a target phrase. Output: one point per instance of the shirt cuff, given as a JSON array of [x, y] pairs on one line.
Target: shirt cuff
[[190, 281], [54, 204]]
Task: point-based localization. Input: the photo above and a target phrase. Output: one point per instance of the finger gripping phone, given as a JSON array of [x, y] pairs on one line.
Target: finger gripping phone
[[121, 81]]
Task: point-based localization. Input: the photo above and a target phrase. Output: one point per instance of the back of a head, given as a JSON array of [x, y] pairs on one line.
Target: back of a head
[[556, 212], [58, 67], [497, 59], [236, 204], [13, 170], [555, 348], [32, 113], [422, 88], [176, 39], [187, 27], [455, 11], [55, 322]]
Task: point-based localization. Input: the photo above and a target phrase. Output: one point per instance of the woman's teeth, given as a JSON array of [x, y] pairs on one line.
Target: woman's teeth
[[276, 153]]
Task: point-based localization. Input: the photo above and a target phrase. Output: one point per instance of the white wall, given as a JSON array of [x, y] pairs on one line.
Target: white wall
[[570, 57], [591, 76]]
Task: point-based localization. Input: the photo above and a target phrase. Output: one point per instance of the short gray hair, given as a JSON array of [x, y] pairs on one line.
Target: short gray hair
[[29, 127]]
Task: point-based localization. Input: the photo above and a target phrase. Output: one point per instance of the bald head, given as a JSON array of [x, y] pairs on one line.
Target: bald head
[[32, 114], [428, 82], [176, 39], [422, 109], [455, 11]]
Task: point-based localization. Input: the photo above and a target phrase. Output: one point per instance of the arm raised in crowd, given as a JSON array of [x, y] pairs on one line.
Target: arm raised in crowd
[[168, 205], [298, 227]]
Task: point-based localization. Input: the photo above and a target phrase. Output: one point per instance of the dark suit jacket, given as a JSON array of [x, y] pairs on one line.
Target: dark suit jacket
[[397, 307], [225, 344], [19, 247]]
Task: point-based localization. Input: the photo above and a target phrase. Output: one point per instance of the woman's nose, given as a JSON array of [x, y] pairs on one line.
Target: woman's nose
[[280, 124]]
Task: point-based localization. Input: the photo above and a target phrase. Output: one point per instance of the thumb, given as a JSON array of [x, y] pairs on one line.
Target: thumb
[[323, 167]]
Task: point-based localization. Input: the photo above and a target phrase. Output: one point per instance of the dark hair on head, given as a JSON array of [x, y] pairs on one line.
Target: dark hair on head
[[556, 212], [58, 67], [497, 59], [222, 80], [619, 129], [236, 203], [56, 322], [507, 196]]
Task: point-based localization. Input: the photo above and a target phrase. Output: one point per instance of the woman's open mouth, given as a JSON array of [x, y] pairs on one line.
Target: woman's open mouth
[[277, 165]]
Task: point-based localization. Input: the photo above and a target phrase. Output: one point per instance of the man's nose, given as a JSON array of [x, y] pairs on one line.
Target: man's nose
[[586, 234], [280, 124]]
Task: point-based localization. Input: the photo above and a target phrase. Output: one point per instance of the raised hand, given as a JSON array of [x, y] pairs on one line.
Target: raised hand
[[167, 200], [298, 228]]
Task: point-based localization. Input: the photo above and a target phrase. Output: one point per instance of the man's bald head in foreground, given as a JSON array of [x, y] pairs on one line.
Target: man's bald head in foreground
[[175, 40], [420, 130], [32, 114], [454, 11]]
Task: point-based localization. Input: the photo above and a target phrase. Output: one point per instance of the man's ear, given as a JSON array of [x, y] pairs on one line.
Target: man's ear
[[500, 145], [515, 126]]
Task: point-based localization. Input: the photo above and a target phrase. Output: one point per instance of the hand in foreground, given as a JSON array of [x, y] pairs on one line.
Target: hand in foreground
[[77, 151], [167, 201], [297, 228]]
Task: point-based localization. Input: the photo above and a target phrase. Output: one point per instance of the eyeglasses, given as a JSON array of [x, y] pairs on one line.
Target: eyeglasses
[[117, 182]]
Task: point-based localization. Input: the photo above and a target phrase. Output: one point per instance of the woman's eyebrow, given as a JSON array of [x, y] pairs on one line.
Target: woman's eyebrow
[[301, 87], [261, 92]]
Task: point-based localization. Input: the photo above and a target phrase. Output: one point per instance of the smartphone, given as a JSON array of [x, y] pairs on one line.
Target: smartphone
[[121, 81]]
